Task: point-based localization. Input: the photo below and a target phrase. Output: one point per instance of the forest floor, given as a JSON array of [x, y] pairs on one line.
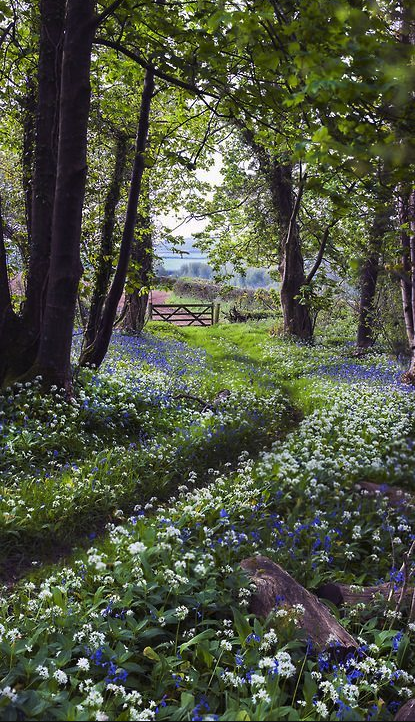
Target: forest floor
[[156, 501]]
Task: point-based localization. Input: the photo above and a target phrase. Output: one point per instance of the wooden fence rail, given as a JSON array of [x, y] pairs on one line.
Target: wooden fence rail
[[189, 314]]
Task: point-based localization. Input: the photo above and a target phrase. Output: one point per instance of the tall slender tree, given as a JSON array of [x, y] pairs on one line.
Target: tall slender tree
[[140, 272], [94, 354], [104, 263]]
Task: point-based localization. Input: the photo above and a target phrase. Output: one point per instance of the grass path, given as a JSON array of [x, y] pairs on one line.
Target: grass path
[[133, 433], [151, 621]]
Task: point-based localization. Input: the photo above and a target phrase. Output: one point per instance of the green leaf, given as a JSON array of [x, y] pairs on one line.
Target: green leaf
[[207, 634], [322, 134], [151, 654], [241, 624]]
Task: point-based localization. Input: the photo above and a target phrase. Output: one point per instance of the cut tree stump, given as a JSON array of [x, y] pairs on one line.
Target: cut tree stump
[[395, 495], [407, 712], [318, 623]]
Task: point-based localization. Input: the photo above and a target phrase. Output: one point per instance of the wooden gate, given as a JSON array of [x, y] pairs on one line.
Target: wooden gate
[[188, 314]]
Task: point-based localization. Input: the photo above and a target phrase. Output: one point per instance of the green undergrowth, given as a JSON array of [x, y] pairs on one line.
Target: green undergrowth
[[152, 620], [133, 431]]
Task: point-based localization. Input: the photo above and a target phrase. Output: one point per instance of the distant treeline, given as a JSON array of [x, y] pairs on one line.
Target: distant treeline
[[205, 290], [253, 278]]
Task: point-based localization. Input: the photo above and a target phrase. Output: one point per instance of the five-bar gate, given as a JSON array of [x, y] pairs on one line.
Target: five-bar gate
[[188, 314]]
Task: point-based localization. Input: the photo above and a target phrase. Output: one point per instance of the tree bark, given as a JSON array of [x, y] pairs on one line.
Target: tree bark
[[95, 353], [410, 374], [53, 360], [140, 270], [318, 623], [29, 145], [340, 594], [106, 251], [407, 237], [45, 167], [369, 277], [297, 318], [395, 495], [406, 712], [6, 309], [9, 322], [20, 335], [406, 206], [368, 281]]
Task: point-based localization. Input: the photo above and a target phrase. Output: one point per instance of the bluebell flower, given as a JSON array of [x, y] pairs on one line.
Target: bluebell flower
[[239, 660], [323, 662], [396, 641], [342, 709], [253, 638]]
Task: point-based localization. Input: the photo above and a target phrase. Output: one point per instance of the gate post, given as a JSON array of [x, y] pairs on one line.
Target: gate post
[[150, 311], [216, 310]]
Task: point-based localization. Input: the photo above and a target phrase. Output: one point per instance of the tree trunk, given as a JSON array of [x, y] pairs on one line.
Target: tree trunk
[[394, 494], [340, 594], [29, 145], [45, 163], [53, 360], [5, 297], [140, 270], [368, 279], [106, 252], [94, 354], [9, 322], [297, 318], [407, 235], [407, 205], [20, 335]]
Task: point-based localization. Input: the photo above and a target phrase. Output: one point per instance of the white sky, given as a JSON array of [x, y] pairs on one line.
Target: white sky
[[171, 220]]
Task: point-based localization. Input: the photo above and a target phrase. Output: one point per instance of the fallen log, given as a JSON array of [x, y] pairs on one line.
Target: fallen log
[[273, 582], [407, 712], [206, 405], [395, 495], [340, 594]]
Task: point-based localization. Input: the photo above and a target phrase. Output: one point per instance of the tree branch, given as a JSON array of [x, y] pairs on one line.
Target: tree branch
[[296, 208], [148, 66], [5, 33], [320, 255], [109, 11]]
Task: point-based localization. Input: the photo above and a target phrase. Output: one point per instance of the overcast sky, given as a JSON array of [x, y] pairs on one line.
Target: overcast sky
[[212, 176]]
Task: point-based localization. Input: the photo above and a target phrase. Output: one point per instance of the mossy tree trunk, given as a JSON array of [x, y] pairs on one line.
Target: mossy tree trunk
[[369, 277], [53, 358], [296, 315], [141, 267], [106, 251], [20, 335], [95, 353]]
